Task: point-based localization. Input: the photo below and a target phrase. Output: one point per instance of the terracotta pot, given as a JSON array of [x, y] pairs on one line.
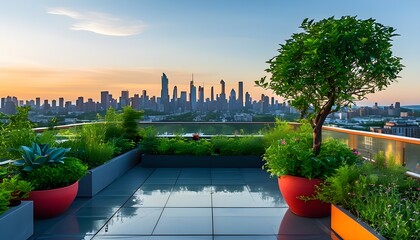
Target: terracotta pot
[[53, 202], [292, 187]]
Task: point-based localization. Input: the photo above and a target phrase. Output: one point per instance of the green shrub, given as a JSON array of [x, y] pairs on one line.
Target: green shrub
[[219, 145], [382, 196], [4, 200], [17, 132], [56, 175], [17, 188], [90, 145]]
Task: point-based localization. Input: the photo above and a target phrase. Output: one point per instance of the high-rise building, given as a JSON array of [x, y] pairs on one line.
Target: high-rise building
[[212, 94], [241, 94], [183, 101], [164, 94], [193, 95], [105, 100], [46, 105], [124, 99], [232, 100], [79, 104], [38, 103], [200, 98], [61, 104]]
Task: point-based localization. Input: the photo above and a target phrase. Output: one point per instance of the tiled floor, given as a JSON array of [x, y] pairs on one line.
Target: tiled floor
[[185, 203]]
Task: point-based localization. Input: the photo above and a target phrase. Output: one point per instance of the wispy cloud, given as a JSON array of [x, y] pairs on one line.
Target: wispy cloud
[[100, 23]]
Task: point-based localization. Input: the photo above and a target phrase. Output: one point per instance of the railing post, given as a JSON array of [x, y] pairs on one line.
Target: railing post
[[352, 141], [399, 153]]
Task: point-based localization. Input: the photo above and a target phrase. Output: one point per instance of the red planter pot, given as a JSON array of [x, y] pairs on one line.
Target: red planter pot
[[53, 202], [292, 187]]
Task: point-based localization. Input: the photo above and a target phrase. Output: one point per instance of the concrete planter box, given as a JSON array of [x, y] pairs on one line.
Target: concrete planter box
[[18, 222], [100, 177], [177, 161], [349, 227]]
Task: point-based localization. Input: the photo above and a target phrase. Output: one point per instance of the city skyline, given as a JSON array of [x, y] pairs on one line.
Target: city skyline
[[55, 49]]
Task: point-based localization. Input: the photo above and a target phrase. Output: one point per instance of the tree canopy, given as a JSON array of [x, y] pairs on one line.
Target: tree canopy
[[331, 64]]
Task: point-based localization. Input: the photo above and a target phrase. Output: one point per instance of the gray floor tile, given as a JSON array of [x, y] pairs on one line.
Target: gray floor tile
[[247, 221], [132, 221], [107, 201], [190, 196], [184, 221]]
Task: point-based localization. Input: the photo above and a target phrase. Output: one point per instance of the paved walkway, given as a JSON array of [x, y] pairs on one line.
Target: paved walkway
[[185, 203]]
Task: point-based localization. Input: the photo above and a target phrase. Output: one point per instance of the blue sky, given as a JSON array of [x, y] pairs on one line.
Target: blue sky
[[78, 48]]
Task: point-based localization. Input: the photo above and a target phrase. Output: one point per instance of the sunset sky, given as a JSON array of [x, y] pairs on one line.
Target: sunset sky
[[55, 48]]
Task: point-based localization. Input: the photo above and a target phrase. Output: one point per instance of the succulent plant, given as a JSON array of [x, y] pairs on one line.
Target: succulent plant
[[39, 155]]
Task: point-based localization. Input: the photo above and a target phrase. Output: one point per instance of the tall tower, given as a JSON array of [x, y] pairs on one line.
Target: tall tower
[[164, 95], [105, 100], [124, 99], [212, 94], [241, 94], [193, 94]]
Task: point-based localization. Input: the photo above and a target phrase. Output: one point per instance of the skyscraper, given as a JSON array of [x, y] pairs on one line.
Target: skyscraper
[[124, 99], [164, 93], [241, 94], [193, 95], [105, 100]]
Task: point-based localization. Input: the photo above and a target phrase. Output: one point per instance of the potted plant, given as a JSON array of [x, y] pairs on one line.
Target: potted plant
[[373, 201], [330, 65], [53, 176], [300, 170]]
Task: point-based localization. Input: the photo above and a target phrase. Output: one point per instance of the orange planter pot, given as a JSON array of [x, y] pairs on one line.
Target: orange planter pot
[[53, 202], [349, 227], [293, 187]]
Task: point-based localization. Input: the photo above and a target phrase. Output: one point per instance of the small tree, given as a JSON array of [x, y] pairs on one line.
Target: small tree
[[332, 64]]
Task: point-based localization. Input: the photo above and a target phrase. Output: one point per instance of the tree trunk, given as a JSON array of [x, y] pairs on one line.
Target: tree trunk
[[317, 139], [317, 125]]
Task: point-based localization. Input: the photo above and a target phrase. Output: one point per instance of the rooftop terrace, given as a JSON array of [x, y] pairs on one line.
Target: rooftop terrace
[[185, 203]]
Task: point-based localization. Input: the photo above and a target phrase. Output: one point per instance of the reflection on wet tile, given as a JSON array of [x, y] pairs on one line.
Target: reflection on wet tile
[[187, 204], [292, 225], [197, 180], [79, 225], [238, 221], [184, 221], [190, 196], [150, 195], [132, 221], [106, 201], [232, 196]]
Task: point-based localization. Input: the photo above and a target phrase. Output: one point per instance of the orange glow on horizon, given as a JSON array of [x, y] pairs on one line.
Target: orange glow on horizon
[[28, 83]]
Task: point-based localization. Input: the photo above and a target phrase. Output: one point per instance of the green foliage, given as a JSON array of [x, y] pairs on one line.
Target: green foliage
[[4, 200], [48, 137], [39, 155], [130, 119], [149, 142], [16, 133], [56, 175], [292, 154], [90, 145], [18, 189], [382, 196], [219, 145], [331, 64]]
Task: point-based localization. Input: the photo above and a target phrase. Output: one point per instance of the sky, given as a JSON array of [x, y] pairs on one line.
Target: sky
[[57, 48]]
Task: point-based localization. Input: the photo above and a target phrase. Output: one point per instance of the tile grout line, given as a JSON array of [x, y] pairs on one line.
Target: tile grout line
[[94, 235], [166, 203]]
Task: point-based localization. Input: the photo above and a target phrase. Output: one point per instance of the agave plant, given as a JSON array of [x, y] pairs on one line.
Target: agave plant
[[39, 155]]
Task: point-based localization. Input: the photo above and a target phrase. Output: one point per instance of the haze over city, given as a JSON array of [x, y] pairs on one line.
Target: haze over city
[[52, 49]]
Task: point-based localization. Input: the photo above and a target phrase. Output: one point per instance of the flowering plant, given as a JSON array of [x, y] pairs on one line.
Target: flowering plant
[[379, 194], [293, 154]]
